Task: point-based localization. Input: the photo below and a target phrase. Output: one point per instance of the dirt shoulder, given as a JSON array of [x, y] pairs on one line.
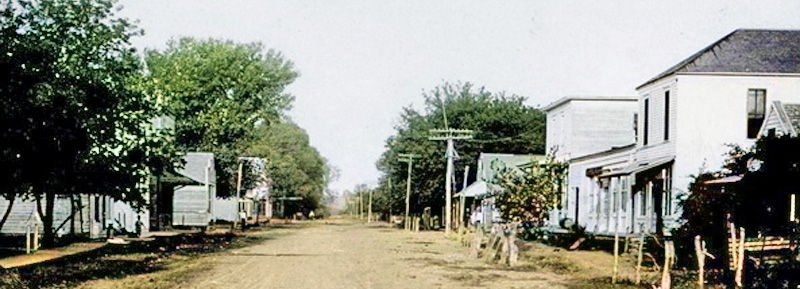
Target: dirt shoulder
[[321, 254]]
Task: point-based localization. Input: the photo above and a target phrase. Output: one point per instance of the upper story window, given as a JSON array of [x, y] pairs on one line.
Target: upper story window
[[756, 110], [666, 115], [646, 125], [635, 127]]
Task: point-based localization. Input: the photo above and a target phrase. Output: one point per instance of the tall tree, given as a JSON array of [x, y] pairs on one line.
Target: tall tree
[[294, 166], [70, 121], [502, 124], [218, 91]]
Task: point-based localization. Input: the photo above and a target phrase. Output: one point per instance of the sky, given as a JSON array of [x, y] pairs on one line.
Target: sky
[[361, 62]]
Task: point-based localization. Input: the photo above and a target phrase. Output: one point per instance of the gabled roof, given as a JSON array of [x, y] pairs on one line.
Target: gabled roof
[[195, 167], [787, 115], [744, 51], [793, 114]]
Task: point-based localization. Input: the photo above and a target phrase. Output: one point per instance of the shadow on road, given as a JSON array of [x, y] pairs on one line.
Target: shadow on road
[[118, 261]]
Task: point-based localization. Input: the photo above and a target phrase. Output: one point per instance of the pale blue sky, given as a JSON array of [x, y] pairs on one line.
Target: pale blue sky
[[362, 61]]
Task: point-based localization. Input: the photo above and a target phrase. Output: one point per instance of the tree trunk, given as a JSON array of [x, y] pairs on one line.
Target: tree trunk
[[48, 238], [8, 211]]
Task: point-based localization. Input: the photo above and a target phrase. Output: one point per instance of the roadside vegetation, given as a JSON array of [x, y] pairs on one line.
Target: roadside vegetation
[[79, 106], [502, 123]]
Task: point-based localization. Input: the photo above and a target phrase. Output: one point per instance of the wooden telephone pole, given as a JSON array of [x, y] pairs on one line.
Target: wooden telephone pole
[[407, 158], [449, 135]]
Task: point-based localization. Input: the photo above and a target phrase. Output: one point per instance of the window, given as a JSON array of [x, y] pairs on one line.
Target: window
[[666, 115], [96, 209], [623, 199], [756, 107], [642, 202], [635, 126], [646, 121]]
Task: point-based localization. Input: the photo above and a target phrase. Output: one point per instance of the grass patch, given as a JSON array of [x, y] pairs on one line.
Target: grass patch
[[472, 279], [553, 263]]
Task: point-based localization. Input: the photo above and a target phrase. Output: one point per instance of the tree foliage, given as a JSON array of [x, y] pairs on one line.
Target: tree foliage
[[295, 168], [218, 92], [529, 194], [758, 201], [71, 121], [502, 124]]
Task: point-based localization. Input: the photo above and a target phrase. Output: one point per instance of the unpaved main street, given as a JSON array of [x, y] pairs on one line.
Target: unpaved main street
[[345, 254]]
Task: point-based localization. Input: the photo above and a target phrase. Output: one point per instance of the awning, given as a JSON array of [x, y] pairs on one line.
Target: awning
[[636, 168], [173, 178], [649, 165], [476, 189], [724, 181]]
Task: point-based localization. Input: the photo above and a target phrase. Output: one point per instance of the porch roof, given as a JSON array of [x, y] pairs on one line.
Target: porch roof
[[477, 189], [724, 180], [637, 167]]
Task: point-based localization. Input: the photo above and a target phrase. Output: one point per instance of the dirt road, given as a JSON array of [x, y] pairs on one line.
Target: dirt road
[[341, 254]]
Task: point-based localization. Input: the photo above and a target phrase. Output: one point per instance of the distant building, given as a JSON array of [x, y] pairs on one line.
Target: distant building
[[481, 192], [193, 204], [582, 125]]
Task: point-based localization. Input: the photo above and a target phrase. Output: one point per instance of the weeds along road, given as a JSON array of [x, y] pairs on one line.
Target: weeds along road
[[345, 254]]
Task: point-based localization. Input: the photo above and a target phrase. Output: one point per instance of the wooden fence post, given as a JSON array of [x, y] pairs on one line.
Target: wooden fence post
[[666, 279], [700, 252], [475, 246], [615, 272], [639, 256], [740, 260], [513, 258]]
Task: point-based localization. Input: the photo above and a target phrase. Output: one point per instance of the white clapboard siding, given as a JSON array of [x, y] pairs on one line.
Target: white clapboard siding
[[190, 206], [24, 214]]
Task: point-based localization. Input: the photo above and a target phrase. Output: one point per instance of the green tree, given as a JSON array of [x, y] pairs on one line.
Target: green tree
[[294, 166], [502, 124], [71, 121], [218, 92], [529, 194]]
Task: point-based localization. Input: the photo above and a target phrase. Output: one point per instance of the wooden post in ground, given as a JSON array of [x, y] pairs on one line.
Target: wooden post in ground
[[666, 280], [740, 261], [505, 250], [513, 252], [475, 246], [369, 209], [615, 272], [639, 257], [700, 252]]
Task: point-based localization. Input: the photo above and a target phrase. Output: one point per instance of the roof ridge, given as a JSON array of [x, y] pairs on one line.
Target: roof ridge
[[743, 51], [691, 59]]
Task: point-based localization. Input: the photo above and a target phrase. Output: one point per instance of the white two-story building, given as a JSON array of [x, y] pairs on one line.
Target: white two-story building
[[686, 117]]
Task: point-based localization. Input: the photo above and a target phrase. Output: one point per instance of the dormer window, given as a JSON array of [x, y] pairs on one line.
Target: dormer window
[[756, 110]]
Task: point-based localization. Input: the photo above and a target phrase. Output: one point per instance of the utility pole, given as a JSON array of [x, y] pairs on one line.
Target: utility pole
[[360, 205], [449, 135], [389, 195], [462, 200], [369, 209], [238, 195], [407, 158]]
